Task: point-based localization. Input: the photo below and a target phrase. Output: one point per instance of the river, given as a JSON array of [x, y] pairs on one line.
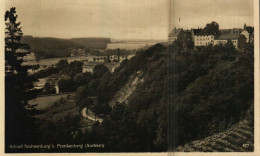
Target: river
[[129, 45]]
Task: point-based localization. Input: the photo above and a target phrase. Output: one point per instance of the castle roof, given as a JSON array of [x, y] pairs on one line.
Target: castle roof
[[197, 31], [231, 31], [228, 37]]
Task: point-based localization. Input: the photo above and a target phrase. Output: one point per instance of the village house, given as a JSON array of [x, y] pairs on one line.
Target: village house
[[236, 39], [175, 33]]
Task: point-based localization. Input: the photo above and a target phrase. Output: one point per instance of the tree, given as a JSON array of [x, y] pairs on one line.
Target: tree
[[229, 46], [63, 66], [101, 109], [212, 28], [35, 67], [75, 67], [81, 79], [66, 85], [186, 40], [19, 123], [242, 43], [82, 93], [49, 88], [99, 70]]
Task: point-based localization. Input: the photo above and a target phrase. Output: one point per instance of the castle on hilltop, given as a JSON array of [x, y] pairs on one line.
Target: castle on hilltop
[[200, 38]]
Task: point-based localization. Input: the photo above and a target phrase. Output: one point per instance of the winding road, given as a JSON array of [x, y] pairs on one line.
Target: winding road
[[90, 115]]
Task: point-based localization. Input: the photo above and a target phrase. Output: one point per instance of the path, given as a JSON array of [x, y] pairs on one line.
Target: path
[[90, 115]]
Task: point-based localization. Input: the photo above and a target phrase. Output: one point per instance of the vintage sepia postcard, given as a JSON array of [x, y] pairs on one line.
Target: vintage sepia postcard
[[147, 77]]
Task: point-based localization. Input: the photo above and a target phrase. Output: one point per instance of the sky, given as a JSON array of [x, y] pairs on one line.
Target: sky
[[197, 13], [119, 19], [126, 19]]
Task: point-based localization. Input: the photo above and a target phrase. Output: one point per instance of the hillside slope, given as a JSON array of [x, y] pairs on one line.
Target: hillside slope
[[179, 96], [125, 92], [238, 138]]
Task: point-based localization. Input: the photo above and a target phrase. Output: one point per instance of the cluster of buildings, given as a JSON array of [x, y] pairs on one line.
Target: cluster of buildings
[[236, 36]]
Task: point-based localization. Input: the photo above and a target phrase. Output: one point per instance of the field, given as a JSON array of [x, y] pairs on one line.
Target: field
[[45, 102], [53, 61], [56, 107], [59, 107]]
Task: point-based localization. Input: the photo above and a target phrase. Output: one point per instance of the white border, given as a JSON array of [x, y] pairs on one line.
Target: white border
[[256, 102]]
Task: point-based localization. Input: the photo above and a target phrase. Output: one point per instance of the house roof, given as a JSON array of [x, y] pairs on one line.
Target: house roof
[[231, 31], [200, 32], [175, 32], [228, 37], [197, 31]]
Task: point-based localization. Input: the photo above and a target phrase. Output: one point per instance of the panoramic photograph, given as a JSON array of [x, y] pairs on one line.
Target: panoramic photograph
[[118, 76]]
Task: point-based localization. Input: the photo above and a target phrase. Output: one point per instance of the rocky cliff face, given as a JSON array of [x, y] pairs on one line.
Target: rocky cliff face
[[126, 91]]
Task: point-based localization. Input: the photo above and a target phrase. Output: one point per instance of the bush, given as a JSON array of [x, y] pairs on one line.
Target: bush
[[66, 85], [49, 88]]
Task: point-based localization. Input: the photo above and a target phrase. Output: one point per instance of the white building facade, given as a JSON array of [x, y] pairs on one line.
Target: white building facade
[[203, 40]]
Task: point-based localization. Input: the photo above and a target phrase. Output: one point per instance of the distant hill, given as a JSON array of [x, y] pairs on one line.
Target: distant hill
[[58, 43], [50, 43], [47, 47]]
